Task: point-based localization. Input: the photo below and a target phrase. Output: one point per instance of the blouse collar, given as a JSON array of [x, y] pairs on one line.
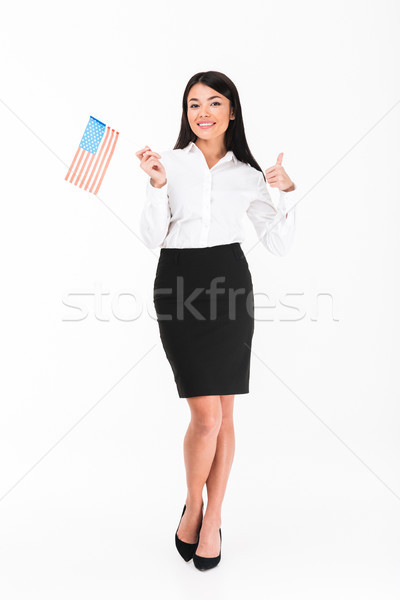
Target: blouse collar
[[228, 156]]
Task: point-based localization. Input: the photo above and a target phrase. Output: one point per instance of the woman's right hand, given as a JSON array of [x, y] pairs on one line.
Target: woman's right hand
[[149, 162]]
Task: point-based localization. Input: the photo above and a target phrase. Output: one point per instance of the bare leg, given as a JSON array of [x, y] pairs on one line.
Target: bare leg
[[209, 542], [199, 450]]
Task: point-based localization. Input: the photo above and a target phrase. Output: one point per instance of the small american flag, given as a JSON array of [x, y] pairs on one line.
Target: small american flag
[[93, 156]]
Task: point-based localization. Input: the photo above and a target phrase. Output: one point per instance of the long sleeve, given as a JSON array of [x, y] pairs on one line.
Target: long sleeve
[[274, 230], [155, 216]]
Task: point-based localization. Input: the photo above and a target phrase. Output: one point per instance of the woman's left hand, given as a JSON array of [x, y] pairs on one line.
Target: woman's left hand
[[277, 176]]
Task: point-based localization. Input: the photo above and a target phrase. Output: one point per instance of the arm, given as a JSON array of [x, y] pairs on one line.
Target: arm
[[155, 216], [275, 227]]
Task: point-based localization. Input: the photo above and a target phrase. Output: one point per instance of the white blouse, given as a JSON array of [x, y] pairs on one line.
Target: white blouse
[[200, 207]]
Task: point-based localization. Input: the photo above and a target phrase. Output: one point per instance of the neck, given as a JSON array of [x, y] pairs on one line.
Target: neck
[[213, 148]]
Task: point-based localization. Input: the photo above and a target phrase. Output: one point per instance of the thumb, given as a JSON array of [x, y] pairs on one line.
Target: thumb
[[279, 159]]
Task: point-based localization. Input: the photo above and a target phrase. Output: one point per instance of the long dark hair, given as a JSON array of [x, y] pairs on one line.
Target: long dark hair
[[235, 138]]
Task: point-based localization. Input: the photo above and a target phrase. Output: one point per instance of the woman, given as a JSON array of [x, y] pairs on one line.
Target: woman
[[197, 195]]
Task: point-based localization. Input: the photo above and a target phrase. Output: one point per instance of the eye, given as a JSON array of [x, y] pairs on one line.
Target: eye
[[194, 105]]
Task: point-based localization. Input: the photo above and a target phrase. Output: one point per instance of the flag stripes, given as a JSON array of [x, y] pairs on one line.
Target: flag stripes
[[93, 156]]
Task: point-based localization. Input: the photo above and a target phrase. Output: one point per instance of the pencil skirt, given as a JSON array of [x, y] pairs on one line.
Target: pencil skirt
[[203, 299]]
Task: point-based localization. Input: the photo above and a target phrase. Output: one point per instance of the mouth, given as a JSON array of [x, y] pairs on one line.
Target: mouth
[[205, 125]]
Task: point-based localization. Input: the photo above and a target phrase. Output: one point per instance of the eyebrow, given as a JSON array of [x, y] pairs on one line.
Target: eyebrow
[[211, 97]]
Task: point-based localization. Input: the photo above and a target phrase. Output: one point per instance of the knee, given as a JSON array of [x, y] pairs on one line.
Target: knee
[[207, 423], [227, 420]]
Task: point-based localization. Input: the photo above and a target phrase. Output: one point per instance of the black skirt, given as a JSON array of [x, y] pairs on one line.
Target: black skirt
[[203, 298]]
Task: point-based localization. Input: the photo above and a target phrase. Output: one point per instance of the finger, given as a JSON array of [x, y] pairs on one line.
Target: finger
[[149, 160], [148, 153], [140, 152], [153, 163], [152, 160], [279, 159], [272, 169]]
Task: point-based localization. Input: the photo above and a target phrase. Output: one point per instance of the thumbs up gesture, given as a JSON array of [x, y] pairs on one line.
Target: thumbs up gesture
[[277, 176]]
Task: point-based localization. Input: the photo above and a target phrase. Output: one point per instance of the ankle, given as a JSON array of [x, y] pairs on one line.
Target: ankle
[[212, 518], [194, 504]]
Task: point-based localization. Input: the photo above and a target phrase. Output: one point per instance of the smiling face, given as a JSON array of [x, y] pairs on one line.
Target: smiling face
[[208, 112]]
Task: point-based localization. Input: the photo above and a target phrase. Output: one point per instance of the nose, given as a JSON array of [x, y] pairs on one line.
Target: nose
[[204, 114]]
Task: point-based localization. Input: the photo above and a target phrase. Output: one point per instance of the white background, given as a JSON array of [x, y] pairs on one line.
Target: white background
[[91, 438]]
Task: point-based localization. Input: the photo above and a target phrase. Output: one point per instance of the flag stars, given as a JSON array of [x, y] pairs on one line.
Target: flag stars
[[92, 136]]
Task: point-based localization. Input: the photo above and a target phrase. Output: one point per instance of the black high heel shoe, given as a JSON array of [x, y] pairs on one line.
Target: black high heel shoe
[[207, 562], [185, 549]]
